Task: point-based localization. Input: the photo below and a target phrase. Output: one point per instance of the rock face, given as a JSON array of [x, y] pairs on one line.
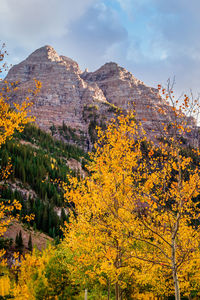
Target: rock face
[[122, 89], [81, 99], [64, 93]]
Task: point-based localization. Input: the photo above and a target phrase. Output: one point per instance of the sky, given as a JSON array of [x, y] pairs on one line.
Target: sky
[[153, 39]]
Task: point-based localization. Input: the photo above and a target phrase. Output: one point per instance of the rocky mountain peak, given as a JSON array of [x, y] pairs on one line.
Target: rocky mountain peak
[[109, 71], [42, 54], [81, 100], [43, 63]]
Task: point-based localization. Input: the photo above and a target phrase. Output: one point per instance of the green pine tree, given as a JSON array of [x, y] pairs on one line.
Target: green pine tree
[[17, 240], [30, 245], [34, 226], [20, 240], [45, 220]]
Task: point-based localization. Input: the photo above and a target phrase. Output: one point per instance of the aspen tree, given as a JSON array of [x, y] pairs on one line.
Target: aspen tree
[[135, 207]]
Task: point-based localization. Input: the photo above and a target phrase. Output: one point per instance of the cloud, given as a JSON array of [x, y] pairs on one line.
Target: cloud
[[154, 39], [91, 38], [164, 40], [31, 24], [39, 18], [170, 26], [87, 31]]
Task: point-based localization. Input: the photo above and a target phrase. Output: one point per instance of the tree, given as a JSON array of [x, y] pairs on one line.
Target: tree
[[45, 220], [95, 237], [30, 245], [19, 241], [16, 239], [137, 206], [44, 275]]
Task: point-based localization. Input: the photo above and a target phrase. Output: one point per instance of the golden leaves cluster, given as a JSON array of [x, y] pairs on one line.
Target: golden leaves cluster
[[136, 208]]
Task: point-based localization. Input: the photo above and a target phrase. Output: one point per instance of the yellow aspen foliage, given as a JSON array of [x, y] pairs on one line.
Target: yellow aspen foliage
[[5, 282], [190, 277], [31, 272], [15, 118], [95, 236], [137, 209], [44, 275], [5, 285], [12, 117]]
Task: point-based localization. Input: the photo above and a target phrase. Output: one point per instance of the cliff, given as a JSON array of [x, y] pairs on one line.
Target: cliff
[[77, 101]]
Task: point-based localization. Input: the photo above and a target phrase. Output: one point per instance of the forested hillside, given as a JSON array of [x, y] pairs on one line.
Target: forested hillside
[[39, 164]]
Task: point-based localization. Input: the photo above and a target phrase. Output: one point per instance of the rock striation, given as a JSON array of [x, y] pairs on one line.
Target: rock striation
[[64, 93], [122, 89], [82, 99]]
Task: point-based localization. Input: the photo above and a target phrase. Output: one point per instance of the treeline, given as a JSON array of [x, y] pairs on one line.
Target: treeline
[[39, 137]]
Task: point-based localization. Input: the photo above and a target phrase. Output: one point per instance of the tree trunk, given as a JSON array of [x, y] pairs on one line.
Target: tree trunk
[[86, 292], [108, 289], [176, 285], [118, 265], [117, 292], [174, 271]]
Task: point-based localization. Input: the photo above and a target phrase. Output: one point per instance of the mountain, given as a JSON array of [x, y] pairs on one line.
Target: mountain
[[71, 102], [64, 93], [69, 106]]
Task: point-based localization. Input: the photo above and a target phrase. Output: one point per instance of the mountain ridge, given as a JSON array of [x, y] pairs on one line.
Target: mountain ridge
[[82, 100]]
